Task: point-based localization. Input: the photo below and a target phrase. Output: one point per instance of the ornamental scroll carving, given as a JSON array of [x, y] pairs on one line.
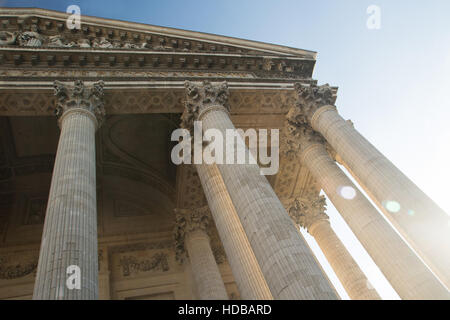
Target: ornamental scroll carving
[[310, 98], [189, 220], [34, 38], [201, 95], [18, 265], [307, 211], [79, 95], [132, 265], [297, 137], [298, 133]]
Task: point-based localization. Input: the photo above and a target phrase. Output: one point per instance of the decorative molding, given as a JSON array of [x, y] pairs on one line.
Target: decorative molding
[[200, 97], [126, 48], [140, 246], [132, 265], [297, 137], [17, 265], [135, 100], [127, 74], [186, 221], [310, 98], [80, 96], [307, 211]]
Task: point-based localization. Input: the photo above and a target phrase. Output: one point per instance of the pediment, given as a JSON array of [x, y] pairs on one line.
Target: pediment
[[38, 37], [118, 34]]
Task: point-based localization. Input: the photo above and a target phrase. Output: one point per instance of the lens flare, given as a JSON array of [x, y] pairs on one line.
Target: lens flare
[[347, 192], [392, 206], [411, 212]]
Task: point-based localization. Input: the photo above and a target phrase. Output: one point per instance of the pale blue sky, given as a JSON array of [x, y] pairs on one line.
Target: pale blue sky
[[393, 82]]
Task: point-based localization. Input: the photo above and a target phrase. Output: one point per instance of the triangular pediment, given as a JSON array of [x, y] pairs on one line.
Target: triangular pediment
[[100, 33]]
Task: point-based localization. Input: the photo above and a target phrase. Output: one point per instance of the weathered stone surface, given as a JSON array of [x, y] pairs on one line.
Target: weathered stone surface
[[422, 223], [191, 234], [408, 275], [284, 258], [70, 229], [244, 265]]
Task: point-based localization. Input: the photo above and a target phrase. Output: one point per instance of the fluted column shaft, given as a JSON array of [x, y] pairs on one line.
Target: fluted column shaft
[[191, 236], [347, 270], [309, 213], [417, 217], [404, 270], [207, 278], [245, 268], [70, 228], [285, 260]]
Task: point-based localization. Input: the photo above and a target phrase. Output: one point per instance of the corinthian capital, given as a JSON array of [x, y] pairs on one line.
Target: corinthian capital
[[202, 96], [298, 137], [306, 212], [310, 98], [187, 221], [80, 96]]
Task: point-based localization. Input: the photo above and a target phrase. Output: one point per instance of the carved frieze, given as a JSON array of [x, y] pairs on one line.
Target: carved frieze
[[138, 101], [17, 264], [140, 246], [130, 49], [132, 265], [67, 73], [35, 38]]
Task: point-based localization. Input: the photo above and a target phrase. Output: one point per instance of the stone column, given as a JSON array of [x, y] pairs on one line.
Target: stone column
[[70, 229], [191, 236], [310, 214], [420, 221], [245, 268], [408, 275], [285, 260]]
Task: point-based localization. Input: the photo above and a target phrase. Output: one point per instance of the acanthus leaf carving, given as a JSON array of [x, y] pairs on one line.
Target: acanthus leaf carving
[[186, 221], [297, 137], [307, 211], [81, 96], [310, 98], [201, 96]]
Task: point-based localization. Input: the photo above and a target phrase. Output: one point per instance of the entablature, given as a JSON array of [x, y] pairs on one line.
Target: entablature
[[40, 38]]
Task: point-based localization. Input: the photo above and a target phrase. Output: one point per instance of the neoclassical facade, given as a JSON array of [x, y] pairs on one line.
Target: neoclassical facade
[[87, 180]]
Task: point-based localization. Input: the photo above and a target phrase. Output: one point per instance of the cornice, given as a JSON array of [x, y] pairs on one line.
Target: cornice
[[139, 27], [32, 39]]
